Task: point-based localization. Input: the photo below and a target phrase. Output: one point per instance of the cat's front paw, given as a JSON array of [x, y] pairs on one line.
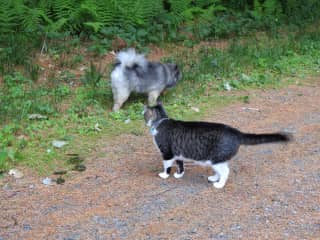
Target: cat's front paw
[[219, 184], [164, 175], [178, 175], [214, 178]]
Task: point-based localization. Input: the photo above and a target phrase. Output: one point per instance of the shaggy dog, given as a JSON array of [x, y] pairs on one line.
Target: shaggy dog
[[134, 73]]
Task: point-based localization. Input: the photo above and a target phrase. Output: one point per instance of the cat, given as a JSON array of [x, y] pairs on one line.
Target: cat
[[204, 143]]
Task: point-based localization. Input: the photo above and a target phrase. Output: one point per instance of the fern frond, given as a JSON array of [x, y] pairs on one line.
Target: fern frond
[[33, 18], [9, 17], [85, 12], [107, 12], [63, 8], [178, 7]]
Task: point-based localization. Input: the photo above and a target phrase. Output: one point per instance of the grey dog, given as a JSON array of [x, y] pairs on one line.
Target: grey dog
[[134, 73]]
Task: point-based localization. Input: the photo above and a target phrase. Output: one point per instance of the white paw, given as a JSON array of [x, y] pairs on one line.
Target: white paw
[[214, 178], [164, 175], [219, 184], [178, 175]]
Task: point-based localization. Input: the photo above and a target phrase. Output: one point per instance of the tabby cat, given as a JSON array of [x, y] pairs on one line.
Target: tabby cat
[[204, 143]]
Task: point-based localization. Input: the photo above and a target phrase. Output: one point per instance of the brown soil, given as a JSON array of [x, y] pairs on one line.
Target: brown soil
[[272, 192]]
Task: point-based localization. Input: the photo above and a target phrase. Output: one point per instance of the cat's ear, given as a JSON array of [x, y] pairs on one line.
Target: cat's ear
[[159, 103]]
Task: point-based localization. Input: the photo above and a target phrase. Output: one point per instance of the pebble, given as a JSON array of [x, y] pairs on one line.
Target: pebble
[[47, 181], [100, 220], [16, 173], [227, 86], [195, 109], [235, 227], [127, 121], [27, 227], [7, 187], [58, 143]]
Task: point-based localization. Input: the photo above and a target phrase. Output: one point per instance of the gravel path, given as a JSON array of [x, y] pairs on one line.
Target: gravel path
[[272, 192]]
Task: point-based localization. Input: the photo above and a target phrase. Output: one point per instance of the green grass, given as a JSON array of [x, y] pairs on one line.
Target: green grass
[[81, 115]]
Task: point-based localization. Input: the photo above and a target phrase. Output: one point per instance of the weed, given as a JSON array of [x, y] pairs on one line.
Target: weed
[[92, 76], [132, 112]]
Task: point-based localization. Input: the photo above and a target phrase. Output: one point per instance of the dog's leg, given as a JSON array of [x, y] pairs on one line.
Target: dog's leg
[[152, 98], [119, 97]]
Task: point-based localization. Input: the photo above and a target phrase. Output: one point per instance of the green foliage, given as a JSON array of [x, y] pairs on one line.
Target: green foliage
[[92, 76], [20, 97], [301, 12], [267, 13], [9, 147], [133, 112], [25, 23]]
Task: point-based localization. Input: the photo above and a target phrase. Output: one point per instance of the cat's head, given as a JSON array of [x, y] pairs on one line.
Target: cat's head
[[153, 114]]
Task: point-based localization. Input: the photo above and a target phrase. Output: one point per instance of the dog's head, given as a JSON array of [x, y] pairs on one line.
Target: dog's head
[[175, 76]]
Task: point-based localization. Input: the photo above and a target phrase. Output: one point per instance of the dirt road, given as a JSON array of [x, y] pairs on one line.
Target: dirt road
[[273, 191]]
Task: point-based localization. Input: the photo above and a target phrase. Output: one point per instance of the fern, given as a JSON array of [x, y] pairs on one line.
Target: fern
[[138, 13], [34, 18], [268, 9], [63, 8], [9, 18], [107, 12], [179, 9], [85, 12]]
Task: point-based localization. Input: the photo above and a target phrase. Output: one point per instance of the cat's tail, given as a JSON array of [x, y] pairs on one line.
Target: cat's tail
[[129, 58], [253, 139]]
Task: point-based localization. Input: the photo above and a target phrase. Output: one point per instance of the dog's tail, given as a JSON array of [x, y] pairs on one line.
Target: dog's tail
[[253, 139], [129, 58]]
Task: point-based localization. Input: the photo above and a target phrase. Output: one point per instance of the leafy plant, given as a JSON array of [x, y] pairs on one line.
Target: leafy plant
[[92, 76]]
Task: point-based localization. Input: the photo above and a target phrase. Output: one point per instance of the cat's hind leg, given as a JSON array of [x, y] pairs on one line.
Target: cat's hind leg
[[167, 164], [180, 170], [222, 173]]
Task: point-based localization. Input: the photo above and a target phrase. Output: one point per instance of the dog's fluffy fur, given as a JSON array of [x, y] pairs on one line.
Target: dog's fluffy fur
[[134, 73]]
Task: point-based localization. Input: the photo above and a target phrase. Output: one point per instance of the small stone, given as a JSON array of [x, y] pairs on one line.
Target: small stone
[[193, 231], [127, 121], [7, 187], [195, 109], [100, 220], [250, 109], [235, 227], [227, 86], [97, 127], [16, 173], [58, 143], [36, 116], [47, 181], [26, 227]]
